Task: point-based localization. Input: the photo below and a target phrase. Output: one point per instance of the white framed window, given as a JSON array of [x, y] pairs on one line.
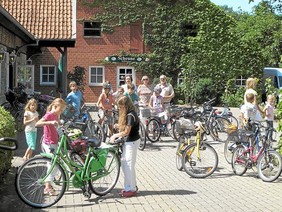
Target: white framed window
[[92, 29], [240, 81], [96, 75], [48, 75], [124, 71]]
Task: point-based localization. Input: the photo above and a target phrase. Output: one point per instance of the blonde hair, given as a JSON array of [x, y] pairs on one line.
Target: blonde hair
[[30, 102], [72, 83], [250, 97], [251, 83], [58, 102], [128, 104]]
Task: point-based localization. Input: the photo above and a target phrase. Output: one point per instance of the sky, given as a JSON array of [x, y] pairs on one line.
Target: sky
[[244, 4]]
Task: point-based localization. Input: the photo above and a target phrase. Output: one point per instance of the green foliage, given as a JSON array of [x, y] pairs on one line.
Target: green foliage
[[78, 75], [233, 96], [7, 129], [204, 90], [269, 87]]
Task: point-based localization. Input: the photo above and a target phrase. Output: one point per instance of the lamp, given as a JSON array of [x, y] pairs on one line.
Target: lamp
[[12, 57], [29, 61], [2, 55]]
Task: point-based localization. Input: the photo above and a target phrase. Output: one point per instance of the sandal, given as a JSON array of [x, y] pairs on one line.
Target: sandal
[[50, 192]]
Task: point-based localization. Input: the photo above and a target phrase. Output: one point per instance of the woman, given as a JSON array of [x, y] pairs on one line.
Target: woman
[[251, 84], [144, 92], [128, 126]]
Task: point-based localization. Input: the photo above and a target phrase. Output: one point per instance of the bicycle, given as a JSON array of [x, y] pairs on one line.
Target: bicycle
[[199, 159], [97, 173], [267, 160], [110, 117]]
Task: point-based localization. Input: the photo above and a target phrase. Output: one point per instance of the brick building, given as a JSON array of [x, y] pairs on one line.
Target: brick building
[[66, 34]]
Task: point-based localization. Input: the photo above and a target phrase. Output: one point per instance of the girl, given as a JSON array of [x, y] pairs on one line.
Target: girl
[[156, 101], [50, 135], [106, 102], [128, 125], [30, 119]]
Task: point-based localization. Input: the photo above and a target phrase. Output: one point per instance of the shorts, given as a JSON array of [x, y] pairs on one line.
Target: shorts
[[31, 137]]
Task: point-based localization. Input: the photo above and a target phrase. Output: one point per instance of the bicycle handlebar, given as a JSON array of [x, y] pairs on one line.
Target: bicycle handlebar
[[11, 140]]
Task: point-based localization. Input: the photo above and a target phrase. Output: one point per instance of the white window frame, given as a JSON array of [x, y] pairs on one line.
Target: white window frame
[[92, 29], [133, 74], [31, 89], [90, 74], [55, 75], [240, 79]]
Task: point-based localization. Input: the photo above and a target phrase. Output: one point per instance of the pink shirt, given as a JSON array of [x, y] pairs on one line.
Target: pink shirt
[[50, 132]]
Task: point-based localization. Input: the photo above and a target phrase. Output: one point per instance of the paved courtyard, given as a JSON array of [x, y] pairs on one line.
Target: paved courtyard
[[163, 188]]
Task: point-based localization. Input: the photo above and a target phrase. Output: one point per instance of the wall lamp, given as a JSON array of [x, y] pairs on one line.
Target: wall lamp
[[12, 57], [2, 55]]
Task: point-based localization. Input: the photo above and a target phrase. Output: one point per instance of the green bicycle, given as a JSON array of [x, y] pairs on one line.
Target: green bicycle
[[97, 172]]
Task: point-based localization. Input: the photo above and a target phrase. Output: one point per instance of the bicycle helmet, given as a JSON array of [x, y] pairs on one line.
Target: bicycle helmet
[[74, 134], [107, 85], [157, 89]]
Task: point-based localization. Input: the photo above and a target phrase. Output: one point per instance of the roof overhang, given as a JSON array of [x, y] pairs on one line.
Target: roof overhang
[[56, 43], [11, 24]]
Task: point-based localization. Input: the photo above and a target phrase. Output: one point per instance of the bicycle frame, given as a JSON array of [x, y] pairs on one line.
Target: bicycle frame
[[83, 174]]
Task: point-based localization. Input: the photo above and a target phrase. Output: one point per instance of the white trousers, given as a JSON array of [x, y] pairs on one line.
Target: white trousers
[[128, 161], [47, 148]]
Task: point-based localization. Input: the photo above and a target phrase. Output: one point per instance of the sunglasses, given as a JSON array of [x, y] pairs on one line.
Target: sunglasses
[[145, 79], [162, 78]]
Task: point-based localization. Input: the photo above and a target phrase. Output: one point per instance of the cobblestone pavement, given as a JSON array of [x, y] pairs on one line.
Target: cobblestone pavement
[[163, 188]]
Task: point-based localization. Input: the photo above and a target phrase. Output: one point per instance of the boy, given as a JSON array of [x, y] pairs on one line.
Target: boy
[[74, 97]]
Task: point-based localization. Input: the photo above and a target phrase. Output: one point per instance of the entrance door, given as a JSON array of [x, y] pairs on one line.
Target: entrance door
[[25, 76], [122, 72]]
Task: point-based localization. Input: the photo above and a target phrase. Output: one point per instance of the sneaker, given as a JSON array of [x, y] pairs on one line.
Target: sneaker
[[50, 192], [129, 193]]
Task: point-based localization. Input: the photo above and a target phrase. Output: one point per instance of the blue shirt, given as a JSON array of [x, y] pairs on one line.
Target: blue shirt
[[75, 98]]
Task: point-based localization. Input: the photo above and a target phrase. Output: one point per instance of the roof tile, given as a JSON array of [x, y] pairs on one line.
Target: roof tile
[[43, 18]]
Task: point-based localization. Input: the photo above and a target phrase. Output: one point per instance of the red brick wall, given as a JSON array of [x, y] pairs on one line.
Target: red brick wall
[[92, 51]]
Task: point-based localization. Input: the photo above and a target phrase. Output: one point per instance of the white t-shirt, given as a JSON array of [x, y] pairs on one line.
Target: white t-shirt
[[31, 126], [249, 110]]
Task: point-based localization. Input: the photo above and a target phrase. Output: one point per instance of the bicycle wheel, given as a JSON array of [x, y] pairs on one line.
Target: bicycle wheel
[[239, 160], [219, 128], [179, 152], [233, 120], [104, 180], [269, 166], [169, 128], [153, 130], [202, 163], [95, 129], [30, 187], [142, 133], [175, 133], [229, 147]]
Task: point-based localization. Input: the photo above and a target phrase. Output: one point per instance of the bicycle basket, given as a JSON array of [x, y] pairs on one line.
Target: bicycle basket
[[146, 112], [183, 124], [231, 128], [68, 112]]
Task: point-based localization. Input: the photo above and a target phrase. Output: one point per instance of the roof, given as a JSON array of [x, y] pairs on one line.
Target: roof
[[45, 19]]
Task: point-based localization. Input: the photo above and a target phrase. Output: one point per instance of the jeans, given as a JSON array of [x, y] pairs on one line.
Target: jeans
[[270, 132], [128, 161]]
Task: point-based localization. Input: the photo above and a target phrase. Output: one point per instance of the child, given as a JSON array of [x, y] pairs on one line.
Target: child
[[74, 97], [249, 109], [131, 94], [269, 114], [156, 101], [50, 136], [105, 102], [30, 119]]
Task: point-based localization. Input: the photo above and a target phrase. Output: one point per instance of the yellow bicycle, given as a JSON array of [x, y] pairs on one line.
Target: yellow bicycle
[[199, 159]]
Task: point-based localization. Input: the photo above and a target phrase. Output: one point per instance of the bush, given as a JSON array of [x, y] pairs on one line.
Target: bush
[[233, 96], [204, 90], [7, 129]]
